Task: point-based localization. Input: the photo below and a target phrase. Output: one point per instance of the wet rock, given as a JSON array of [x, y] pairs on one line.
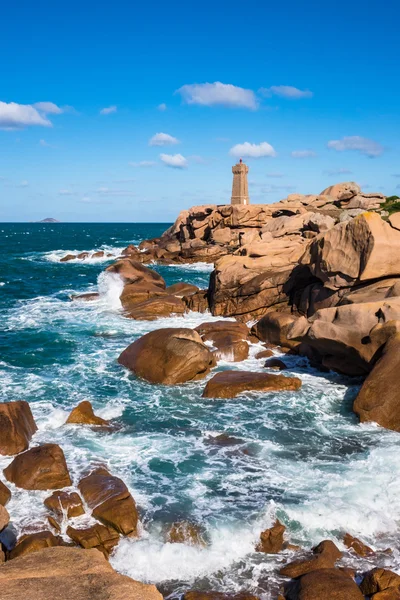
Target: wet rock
[[325, 556], [98, 254], [182, 289], [83, 415], [4, 517], [231, 351], [139, 292], [223, 440], [68, 257], [110, 501], [33, 542], [324, 584], [82, 255], [267, 353], [218, 596], [228, 337], [357, 545], [184, 532], [271, 540], [275, 363], [5, 494], [97, 536], [132, 271], [168, 356], [378, 398], [17, 427], [89, 297], [381, 580], [274, 327], [68, 503], [155, 308], [229, 384], [40, 468], [69, 573]]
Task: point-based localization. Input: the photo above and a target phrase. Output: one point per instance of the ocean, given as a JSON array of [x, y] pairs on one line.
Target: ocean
[[300, 456]]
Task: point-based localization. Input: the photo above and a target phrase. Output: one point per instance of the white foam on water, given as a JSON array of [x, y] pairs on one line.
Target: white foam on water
[[110, 253]]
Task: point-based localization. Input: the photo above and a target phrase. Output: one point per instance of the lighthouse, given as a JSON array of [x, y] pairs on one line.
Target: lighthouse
[[240, 188]]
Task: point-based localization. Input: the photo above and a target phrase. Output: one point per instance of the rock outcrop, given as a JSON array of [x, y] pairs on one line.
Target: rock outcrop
[[4, 517], [272, 540], [325, 584], [168, 356], [65, 503], [96, 536], [384, 583], [17, 427], [5, 494], [83, 415], [40, 468], [69, 573], [324, 557], [33, 542], [229, 384], [229, 338]]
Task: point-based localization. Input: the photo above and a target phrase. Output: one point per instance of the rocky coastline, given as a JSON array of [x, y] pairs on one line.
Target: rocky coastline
[[316, 276]]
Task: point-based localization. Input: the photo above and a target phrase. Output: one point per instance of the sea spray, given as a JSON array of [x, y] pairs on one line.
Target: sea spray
[[110, 286]]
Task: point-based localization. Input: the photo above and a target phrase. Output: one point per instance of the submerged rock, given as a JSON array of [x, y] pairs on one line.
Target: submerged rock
[[184, 532], [168, 356], [357, 545], [17, 427], [229, 384], [69, 573], [40, 468], [110, 501], [275, 363], [83, 415]]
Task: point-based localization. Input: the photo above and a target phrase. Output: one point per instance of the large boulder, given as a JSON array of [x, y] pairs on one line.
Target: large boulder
[[378, 399], [324, 556], [65, 503], [273, 328], [141, 291], [4, 518], [228, 337], [229, 384], [110, 501], [381, 580], [168, 356], [182, 289], [16, 427], [132, 271], [40, 468], [71, 573], [96, 536], [363, 249], [342, 191], [272, 540], [193, 595], [325, 584]]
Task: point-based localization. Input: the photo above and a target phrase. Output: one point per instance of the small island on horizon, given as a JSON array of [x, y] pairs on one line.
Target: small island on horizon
[[48, 220]]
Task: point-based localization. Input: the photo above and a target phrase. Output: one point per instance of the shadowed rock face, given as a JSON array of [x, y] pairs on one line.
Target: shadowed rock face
[[5, 494], [168, 356], [378, 399], [69, 573], [229, 384], [16, 427], [41, 468], [381, 580], [33, 542]]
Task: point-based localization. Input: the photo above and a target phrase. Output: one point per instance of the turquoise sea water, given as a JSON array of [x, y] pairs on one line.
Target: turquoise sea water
[[300, 456]]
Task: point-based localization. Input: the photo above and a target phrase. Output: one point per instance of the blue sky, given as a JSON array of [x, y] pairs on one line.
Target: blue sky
[[307, 93]]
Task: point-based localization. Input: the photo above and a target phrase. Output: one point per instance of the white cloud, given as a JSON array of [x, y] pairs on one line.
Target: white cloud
[[162, 107], [358, 143], [252, 150], [108, 110], [222, 94], [176, 161], [303, 153], [48, 108], [18, 116], [163, 139], [23, 184], [285, 91], [341, 171], [143, 163]]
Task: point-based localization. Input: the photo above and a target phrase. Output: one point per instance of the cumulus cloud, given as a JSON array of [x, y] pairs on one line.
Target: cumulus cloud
[[18, 116], [48, 108], [359, 144], [252, 150], [143, 163], [176, 161], [341, 171], [108, 110], [285, 91], [303, 153], [163, 139], [222, 94], [162, 107]]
